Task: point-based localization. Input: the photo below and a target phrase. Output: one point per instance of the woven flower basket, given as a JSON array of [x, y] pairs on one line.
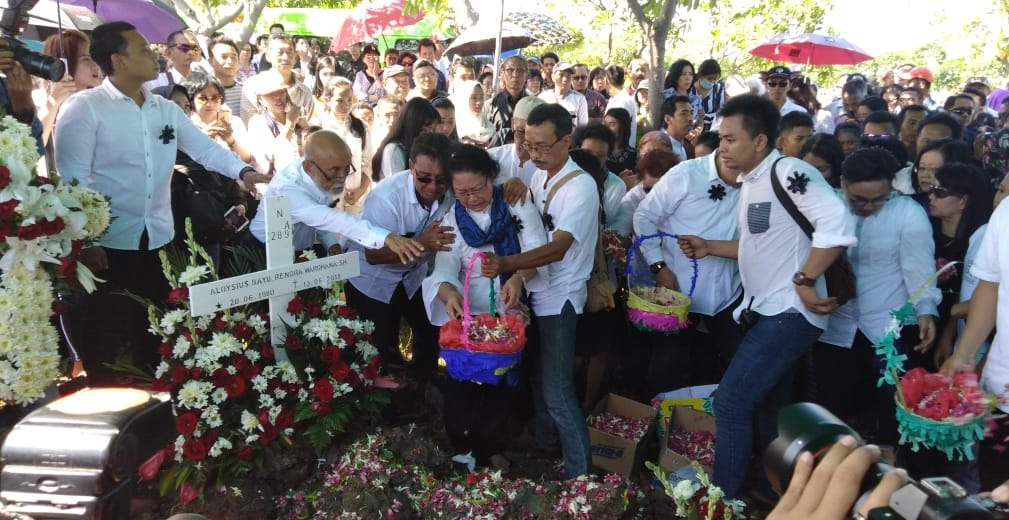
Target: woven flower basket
[[488, 359], [658, 309]]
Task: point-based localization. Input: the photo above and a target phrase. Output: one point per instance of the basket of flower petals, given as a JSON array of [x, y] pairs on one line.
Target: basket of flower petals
[[658, 309], [483, 348], [940, 412]]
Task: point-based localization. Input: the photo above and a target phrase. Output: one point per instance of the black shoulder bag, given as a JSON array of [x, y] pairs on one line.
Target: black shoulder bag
[[840, 276]]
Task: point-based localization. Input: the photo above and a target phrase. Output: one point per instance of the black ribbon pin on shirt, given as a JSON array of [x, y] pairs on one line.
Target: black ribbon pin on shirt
[[167, 134]]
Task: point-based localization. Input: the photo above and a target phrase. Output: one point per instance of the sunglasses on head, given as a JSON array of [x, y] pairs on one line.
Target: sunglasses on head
[[777, 84]]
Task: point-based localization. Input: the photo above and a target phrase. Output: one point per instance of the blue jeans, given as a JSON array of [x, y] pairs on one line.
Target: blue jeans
[[757, 382], [558, 415]]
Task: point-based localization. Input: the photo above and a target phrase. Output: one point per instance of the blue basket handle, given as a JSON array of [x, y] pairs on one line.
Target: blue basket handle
[[637, 243]]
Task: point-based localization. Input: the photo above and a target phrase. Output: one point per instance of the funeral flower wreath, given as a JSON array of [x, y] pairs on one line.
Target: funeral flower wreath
[[44, 224]]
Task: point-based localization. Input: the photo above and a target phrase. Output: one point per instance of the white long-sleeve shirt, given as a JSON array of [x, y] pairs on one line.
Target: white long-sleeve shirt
[[573, 101], [772, 247], [895, 255], [311, 215], [106, 142], [682, 203], [393, 205]]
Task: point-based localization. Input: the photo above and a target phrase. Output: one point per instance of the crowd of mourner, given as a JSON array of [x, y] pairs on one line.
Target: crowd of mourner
[[419, 161]]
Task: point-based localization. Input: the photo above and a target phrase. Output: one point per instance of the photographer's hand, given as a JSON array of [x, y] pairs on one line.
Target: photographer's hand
[[1001, 493], [830, 491]]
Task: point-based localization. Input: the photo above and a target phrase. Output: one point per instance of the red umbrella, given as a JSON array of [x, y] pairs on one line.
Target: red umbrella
[[370, 19], [811, 49]]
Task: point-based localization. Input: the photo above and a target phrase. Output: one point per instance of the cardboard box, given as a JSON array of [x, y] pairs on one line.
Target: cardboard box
[[700, 398], [616, 454], [689, 420]]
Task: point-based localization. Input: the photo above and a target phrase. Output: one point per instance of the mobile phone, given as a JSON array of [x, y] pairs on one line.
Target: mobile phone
[[239, 221], [224, 115]]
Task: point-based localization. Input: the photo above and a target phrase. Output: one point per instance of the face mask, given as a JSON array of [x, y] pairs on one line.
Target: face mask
[[706, 85]]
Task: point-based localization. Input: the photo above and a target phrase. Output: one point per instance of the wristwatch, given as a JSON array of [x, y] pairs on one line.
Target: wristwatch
[[800, 278], [657, 266]]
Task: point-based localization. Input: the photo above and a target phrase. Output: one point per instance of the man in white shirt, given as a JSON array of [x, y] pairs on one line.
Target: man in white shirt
[[619, 98], [569, 255], [696, 197], [512, 158], [567, 97], [182, 50], [121, 140], [895, 256], [781, 270], [409, 203], [777, 83], [312, 183]]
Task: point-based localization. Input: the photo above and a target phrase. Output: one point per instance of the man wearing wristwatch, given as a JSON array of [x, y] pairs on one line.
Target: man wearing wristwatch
[[697, 197], [781, 271]]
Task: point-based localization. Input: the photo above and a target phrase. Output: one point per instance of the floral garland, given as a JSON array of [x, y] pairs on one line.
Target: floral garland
[[45, 225], [233, 401]]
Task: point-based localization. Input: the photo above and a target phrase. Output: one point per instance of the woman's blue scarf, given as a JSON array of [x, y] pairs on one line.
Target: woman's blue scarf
[[502, 233]]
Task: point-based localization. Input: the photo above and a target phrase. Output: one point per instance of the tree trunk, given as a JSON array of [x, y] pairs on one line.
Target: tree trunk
[[204, 23], [656, 30]]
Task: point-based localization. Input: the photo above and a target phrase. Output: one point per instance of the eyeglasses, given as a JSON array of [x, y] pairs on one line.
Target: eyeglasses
[[906, 100], [939, 192], [861, 202], [541, 148], [512, 71], [406, 63], [473, 192], [579, 77], [185, 47], [877, 136], [960, 111], [777, 84], [347, 171], [208, 99]]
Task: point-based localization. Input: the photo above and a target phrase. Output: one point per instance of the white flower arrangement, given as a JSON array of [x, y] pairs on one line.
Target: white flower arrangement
[[44, 225]]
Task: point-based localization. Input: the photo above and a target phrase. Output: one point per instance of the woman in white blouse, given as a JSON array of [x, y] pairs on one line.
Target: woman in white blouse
[[273, 131], [475, 414]]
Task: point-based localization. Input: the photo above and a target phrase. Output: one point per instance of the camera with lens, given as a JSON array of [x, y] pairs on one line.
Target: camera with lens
[[808, 427], [15, 17]]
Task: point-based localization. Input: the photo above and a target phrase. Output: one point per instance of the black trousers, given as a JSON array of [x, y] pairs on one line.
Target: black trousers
[[476, 417], [113, 326], [387, 316], [691, 357]]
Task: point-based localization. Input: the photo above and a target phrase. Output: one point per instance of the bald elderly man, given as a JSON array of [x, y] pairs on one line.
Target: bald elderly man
[[313, 184]]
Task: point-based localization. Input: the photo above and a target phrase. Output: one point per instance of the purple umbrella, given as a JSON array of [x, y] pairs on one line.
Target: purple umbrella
[[155, 19]]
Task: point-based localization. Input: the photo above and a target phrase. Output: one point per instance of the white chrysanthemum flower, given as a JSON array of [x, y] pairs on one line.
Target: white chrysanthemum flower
[[195, 394], [181, 347], [212, 416], [193, 274], [171, 319], [250, 422], [219, 395]]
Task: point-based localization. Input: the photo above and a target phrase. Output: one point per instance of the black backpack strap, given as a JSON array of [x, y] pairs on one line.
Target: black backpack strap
[[788, 203]]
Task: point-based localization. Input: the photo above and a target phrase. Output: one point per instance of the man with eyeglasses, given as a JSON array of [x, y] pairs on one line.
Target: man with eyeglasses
[[182, 50], [777, 82], [425, 76], [411, 203], [893, 258], [313, 184], [595, 101], [574, 230], [563, 94], [513, 74]]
